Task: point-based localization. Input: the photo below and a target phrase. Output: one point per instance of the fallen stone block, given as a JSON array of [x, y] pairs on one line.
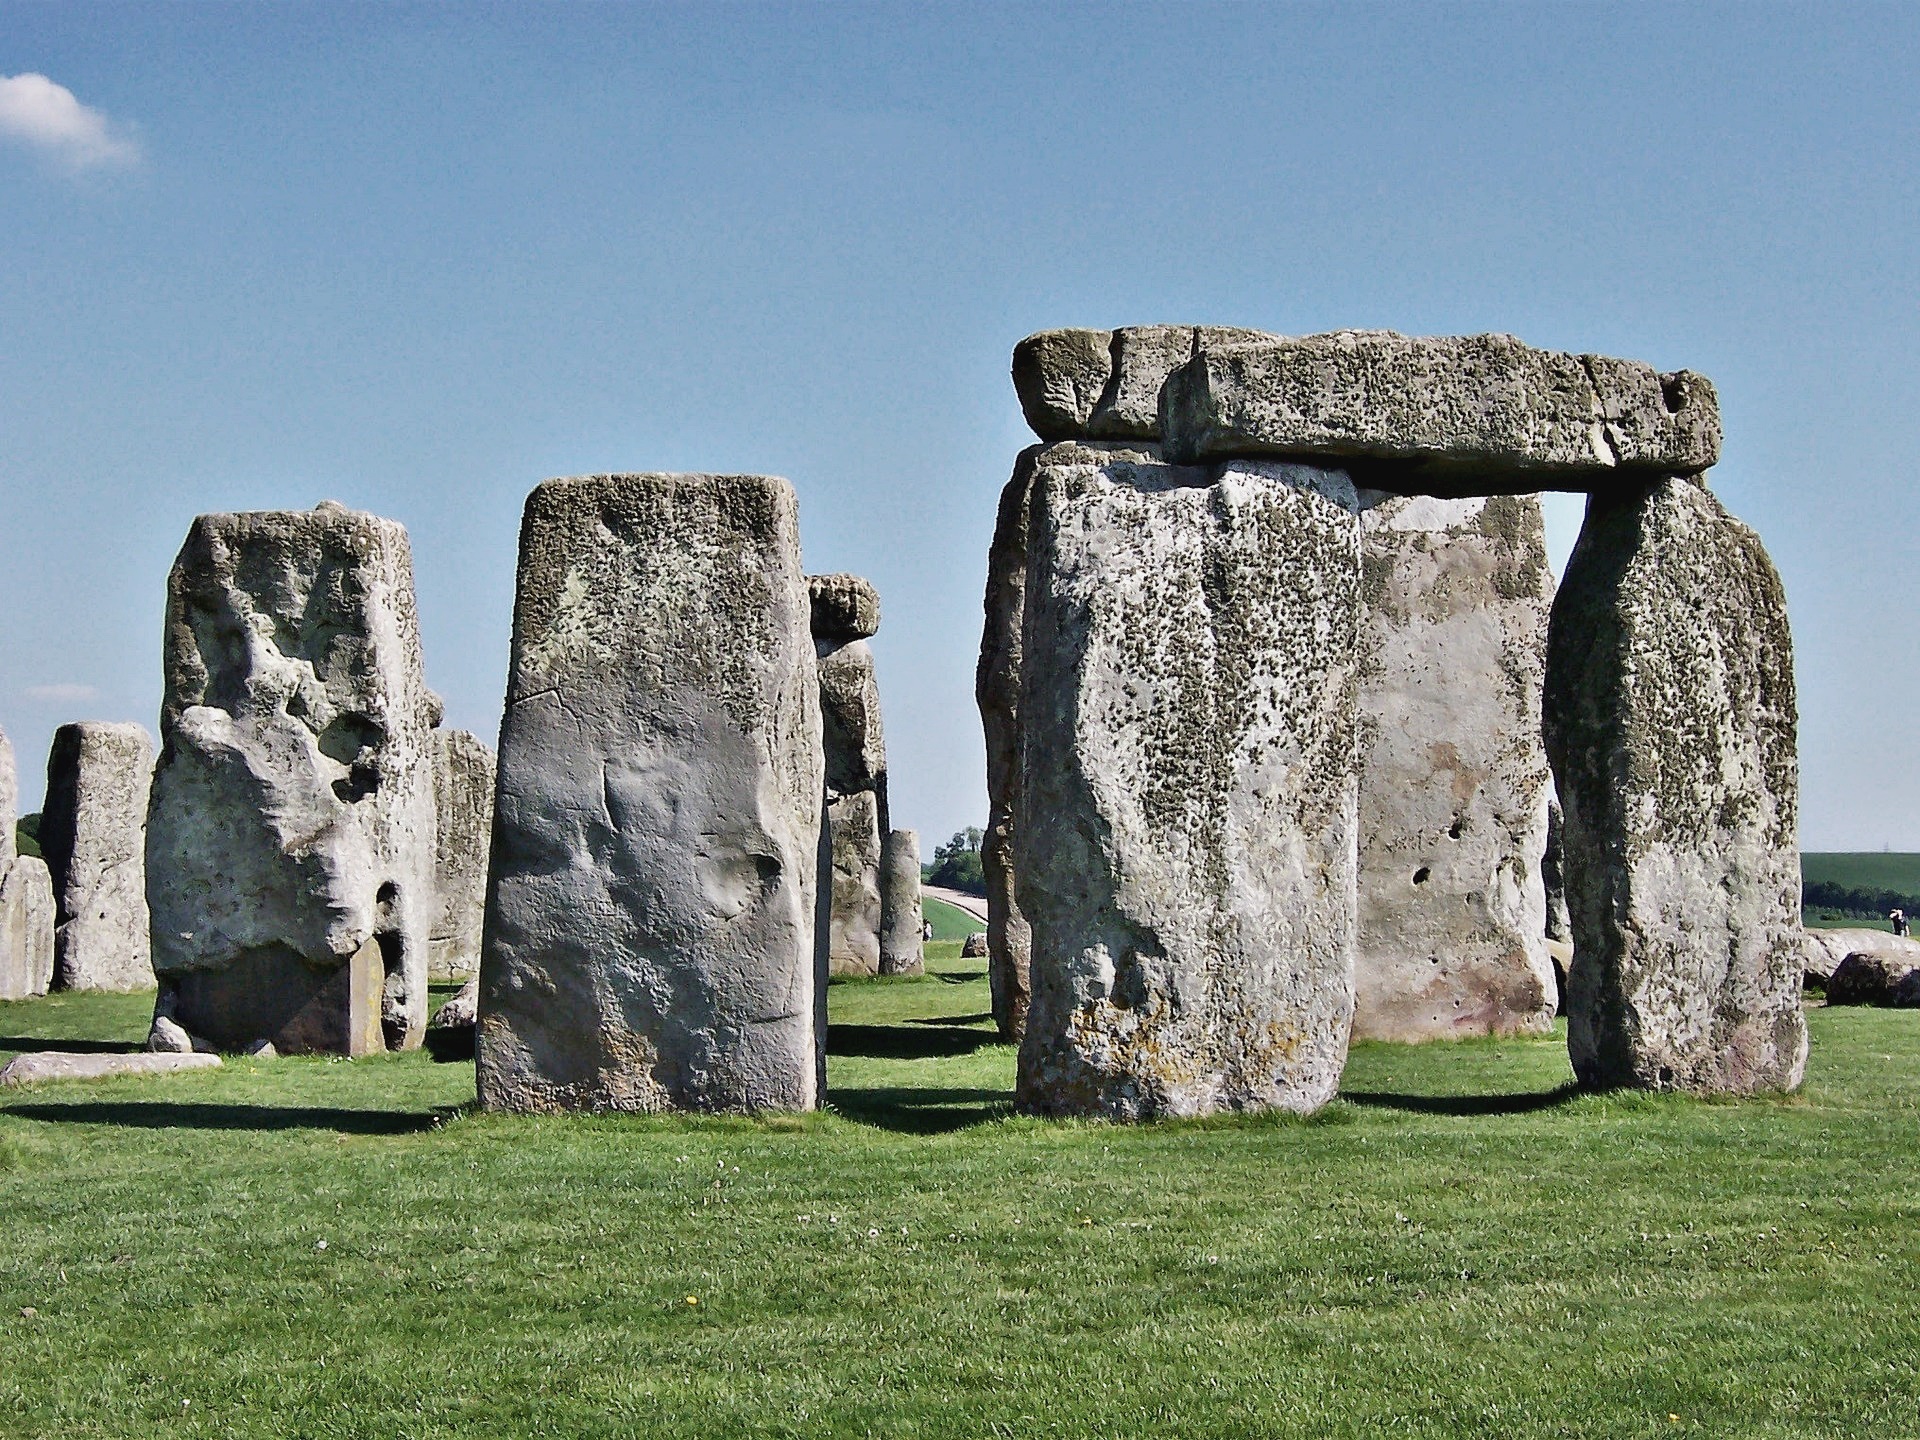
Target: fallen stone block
[[39, 1066]]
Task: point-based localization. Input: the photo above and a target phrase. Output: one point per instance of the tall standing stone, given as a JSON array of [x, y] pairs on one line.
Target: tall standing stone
[[1553, 870], [463, 773], [1184, 832], [290, 839], [901, 952], [93, 832], [1454, 781], [1670, 719], [845, 612], [650, 926], [26, 900]]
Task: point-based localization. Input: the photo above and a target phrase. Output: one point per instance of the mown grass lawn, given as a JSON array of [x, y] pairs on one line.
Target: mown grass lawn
[[1459, 1246]]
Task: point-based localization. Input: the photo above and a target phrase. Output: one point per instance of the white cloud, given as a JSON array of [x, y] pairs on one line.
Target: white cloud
[[63, 694], [46, 117]]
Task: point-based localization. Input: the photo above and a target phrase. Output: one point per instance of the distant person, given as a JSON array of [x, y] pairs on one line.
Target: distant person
[[926, 930], [1899, 919]]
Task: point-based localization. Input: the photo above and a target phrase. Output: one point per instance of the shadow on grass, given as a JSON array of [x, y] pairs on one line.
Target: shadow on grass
[[959, 977], [1525, 1103], [165, 1115], [905, 1042], [920, 1112], [26, 1043], [980, 1019]]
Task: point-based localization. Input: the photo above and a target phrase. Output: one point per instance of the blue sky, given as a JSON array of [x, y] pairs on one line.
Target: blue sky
[[419, 259]]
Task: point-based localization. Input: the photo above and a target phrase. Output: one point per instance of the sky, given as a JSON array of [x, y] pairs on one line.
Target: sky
[[418, 259]]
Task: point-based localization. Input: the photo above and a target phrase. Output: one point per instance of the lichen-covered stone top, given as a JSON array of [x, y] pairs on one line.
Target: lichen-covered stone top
[[1105, 384], [844, 607], [1485, 406]]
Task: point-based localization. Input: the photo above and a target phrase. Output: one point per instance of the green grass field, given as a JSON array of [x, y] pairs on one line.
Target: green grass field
[[1858, 870], [1460, 1245], [949, 921]]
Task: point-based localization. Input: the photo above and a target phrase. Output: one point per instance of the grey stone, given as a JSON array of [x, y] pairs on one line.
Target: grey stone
[[842, 607], [168, 1038], [290, 841], [1105, 384], [461, 1010], [93, 833], [39, 1066], [1670, 721], [262, 1050], [1454, 783], [463, 775], [1822, 950], [1185, 828], [900, 942], [1452, 414], [26, 900], [853, 826], [1906, 993], [856, 785], [1553, 872], [651, 936], [1869, 978], [974, 947]]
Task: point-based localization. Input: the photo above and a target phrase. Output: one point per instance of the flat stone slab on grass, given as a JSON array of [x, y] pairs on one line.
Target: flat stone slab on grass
[[40, 1065]]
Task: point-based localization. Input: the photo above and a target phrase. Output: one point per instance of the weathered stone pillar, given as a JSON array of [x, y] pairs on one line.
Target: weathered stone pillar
[[1453, 776], [1553, 870], [650, 927], [1670, 718], [93, 832], [463, 776], [26, 900], [845, 613], [290, 840], [901, 951], [1184, 832]]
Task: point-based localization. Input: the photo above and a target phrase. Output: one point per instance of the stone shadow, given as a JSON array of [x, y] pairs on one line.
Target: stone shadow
[[910, 1111], [27, 1044], [1522, 1103], [916, 1040], [168, 1115]]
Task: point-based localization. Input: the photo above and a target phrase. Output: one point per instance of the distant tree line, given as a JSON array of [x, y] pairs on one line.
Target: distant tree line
[[1864, 904], [956, 864]]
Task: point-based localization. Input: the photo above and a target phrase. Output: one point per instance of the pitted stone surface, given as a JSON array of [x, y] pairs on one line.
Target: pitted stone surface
[[650, 928], [856, 787], [843, 607], [26, 900], [900, 942], [93, 832], [1184, 831], [290, 841], [1105, 384], [1870, 977], [1454, 783], [1670, 720], [854, 835], [1451, 414], [39, 1066], [1823, 950], [1553, 870], [463, 774]]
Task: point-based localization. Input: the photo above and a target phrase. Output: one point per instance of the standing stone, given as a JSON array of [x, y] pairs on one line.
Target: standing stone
[[1184, 833], [26, 900], [463, 772], [93, 832], [1670, 720], [996, 689], [901, 952], [1454, 782], [290, 840], [845, 611], [650, 916], [1553, 870]]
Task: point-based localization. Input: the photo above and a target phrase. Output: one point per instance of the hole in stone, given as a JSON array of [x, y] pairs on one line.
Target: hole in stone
[[1666, 1077], [347, 737], [393, 1024], [1433, 959], [1675, 393], [358, 783], [1422, 875], [1455, 830]]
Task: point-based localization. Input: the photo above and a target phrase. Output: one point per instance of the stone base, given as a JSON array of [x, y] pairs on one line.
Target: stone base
[[273, 995]]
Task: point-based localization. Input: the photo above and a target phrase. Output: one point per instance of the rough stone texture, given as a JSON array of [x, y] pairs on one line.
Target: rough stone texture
[[42, 1065], [167, 1038], [1670, 720], [26, 899], [974, 947], [856, 789], [1105, 384], [651, 936], [463, 774], [290, 841], [1822, 950], [843, 607], [1906, 993], [461, 1010], [1869, 978], [1451, 414], [1454, 783], [93, 832], [900, 940], [1184, 834], [1553, 871]]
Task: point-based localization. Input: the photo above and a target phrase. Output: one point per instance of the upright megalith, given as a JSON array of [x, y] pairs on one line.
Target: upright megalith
[[650, 937], [463, 774], [1670, 719], [845, 613], [1184, 829], [290, 838], [26, 899], [901, 952], [93, 832], [1454, 781]]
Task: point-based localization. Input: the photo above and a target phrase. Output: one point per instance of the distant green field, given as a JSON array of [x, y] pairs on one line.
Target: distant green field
[[1862, 869], [949, 921]]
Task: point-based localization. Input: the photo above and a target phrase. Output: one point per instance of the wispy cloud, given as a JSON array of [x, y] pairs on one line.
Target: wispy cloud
[[62, 694], [46, 117]]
